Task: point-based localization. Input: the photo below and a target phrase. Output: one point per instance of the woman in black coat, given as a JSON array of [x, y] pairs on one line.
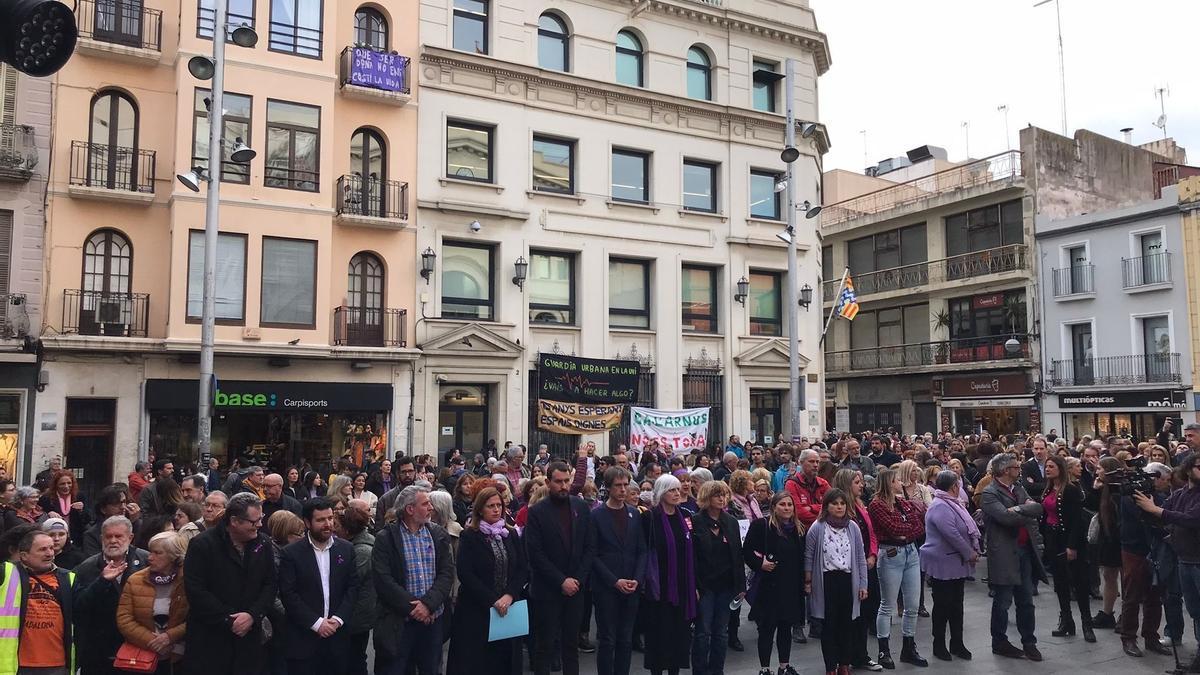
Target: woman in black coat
[[1064, 531], [774, 552], [492, 572], [61, 497], [720, 575]]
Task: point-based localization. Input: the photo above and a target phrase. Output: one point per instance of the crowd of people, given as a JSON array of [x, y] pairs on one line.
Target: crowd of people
[[280, 570]]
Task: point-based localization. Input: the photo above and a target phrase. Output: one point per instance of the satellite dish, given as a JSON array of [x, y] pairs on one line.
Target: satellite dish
[[1161, 122]]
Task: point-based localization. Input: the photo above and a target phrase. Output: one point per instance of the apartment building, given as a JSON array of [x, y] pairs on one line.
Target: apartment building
[[598, 179], [316, 247], [24, 145]]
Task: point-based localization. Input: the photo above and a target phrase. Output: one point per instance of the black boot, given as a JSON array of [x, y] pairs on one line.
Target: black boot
[[960, 650], [1066, 626], [939, 648], [908, 653], [1089, 635], [885, 654]]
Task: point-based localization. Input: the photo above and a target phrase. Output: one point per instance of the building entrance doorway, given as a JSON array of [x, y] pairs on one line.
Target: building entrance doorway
[[462, 419]]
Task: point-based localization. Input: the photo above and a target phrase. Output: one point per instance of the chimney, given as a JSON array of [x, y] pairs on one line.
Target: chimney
[[1127, 135]]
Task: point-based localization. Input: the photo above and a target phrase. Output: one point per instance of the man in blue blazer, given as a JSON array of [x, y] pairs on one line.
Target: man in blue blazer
[[318, 587], [561, 543], [617, 573]]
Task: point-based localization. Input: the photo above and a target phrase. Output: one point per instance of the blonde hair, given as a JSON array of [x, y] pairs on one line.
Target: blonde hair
[[282, 524], [740, 480], [335, 486], [711, 489], [883, 487], [774, 522], [760, 474], [905, 470], [539, 493], [171, 544]]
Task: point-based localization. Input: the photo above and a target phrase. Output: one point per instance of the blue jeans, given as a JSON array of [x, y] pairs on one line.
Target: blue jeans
[[615, 620], [1023, 593], [420, 648], [900, 573], [710, 636], [1189, 585]]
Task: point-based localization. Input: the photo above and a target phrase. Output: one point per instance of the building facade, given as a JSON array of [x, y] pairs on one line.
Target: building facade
[[1116, 321], [314, 259], [24, 151], [595, 178], [940, 262]]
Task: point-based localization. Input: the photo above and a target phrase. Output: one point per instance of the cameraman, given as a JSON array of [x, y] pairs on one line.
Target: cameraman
[[1139, 583], [1181, 514]]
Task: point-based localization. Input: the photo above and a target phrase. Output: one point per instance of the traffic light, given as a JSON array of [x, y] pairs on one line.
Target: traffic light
[[37, 37]]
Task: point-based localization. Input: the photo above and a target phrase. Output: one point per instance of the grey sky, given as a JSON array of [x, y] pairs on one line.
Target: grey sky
[[911, 73]]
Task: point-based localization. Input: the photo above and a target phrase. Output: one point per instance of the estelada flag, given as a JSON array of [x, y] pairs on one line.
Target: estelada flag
[[847, 306]]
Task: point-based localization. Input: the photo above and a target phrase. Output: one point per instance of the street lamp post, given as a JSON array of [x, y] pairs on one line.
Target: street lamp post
[[792, 304]]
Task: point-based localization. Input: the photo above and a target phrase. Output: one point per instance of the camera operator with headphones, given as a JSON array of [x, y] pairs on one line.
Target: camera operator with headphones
[[1140, 585]]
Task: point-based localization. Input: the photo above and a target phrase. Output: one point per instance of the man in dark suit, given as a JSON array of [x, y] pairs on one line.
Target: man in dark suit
[[1033, 472], [275, 500], [617, 572], [318, 587], [561, 544]]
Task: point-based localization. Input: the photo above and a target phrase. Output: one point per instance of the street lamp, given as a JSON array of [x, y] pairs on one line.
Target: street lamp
[[743, 289], [520, 270], [805, 296], [205, 68], [428, 258]]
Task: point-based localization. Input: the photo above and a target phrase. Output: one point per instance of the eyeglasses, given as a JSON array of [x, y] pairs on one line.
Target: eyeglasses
[[247, 520]]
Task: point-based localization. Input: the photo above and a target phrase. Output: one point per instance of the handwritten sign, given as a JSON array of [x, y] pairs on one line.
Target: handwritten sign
[[580, 380], [574, 418], [378, 70]]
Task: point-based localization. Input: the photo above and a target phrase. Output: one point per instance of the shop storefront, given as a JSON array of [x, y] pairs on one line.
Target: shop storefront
[[998, 403], [280, 423], [18, 378], [1137, 414]]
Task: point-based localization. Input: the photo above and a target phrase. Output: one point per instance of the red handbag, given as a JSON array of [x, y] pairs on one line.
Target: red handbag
[[134, 659]]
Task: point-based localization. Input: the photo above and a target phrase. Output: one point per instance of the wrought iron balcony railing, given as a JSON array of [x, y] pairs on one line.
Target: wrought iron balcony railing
[[1146, 270], [120, 22], [371, 197], [941, 352], [369, 327], [112, 167], [1074, 280], [105, 313], [1011, 258], [18, 152], [1108, 370], [374, 69]]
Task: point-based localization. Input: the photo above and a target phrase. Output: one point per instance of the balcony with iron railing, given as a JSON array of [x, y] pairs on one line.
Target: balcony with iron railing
[[18, 152], [1147, 272], [371, 202], [1166, 174], [101, 171], [1074, 281], [122, 29], [1116, 370], [996, 350], [374, 74], [105, 313], [1003, 259], [998, 171], [369, 327]]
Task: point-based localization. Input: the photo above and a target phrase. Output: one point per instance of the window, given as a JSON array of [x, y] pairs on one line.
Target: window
[[827, 263], [699, 186], [988, 315], [1082, 351], [370, 29], [237, 122], [699, 299], [11, 408], [1155, 267], [764, 200], [364, 188], [471, 26], [1161, 365], [984, 228], [551, 288], [553, 165], [469, 151], [238, 12], [363, 315], [888, 250], [113, 141], [766, 306], [296, 27], [293, 146], [289, 282], [6, 242], [230, 296], [107, 264], [629, 60], [630, 176], [699, 74], [766, 78], [467, 281], [628, 293], [553, 43], [892, 327]]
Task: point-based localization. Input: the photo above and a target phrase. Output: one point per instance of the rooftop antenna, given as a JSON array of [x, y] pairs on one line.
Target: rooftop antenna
[[866, 162], [966, 127], [1062, 68], [1162, 93], [1003, 108]]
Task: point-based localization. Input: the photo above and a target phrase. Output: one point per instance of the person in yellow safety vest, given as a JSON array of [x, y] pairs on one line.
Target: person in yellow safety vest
[[35, 611]]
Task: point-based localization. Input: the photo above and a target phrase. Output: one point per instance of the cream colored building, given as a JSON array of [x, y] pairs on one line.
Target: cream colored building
[[315, 258], [627, 152]]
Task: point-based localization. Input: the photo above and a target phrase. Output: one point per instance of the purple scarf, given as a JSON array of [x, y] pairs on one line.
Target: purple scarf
[[672, 580], [494, 531]]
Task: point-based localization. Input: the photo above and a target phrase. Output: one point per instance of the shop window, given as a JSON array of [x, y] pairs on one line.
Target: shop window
[[468, 281], [10, 432], [289, 280]]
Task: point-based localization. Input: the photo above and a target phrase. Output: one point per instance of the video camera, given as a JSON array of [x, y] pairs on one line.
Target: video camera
[[1132, 478]]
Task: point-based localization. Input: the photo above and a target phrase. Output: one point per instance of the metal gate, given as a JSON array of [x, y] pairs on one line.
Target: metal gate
[[645, 399], [562, 446], [704, 386]]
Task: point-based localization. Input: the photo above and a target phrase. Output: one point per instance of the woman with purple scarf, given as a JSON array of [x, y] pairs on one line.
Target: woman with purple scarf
[[948, 557], [670, 600]]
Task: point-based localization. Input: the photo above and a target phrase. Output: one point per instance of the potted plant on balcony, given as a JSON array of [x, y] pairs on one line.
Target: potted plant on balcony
[[941, 321], [1014, 311]]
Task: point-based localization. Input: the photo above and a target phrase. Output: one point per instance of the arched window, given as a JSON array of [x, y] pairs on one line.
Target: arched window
[[113, 142], [699, 74], [104, 302], [370, 28], [553, 43], [364, 301], [629, 60], [364, 187]]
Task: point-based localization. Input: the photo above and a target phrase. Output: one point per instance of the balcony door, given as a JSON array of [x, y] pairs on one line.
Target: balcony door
[[112, 142], [1081, 353], [364, 301], [119, 21], [364, 194], [1156, 348], [1078, 261], [105, 306], [1154, 268]]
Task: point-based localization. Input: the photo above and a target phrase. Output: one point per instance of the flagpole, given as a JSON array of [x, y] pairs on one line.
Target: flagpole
[[832, 310]]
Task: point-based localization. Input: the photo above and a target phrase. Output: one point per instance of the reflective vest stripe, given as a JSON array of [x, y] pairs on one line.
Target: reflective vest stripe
[[10, 618]]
